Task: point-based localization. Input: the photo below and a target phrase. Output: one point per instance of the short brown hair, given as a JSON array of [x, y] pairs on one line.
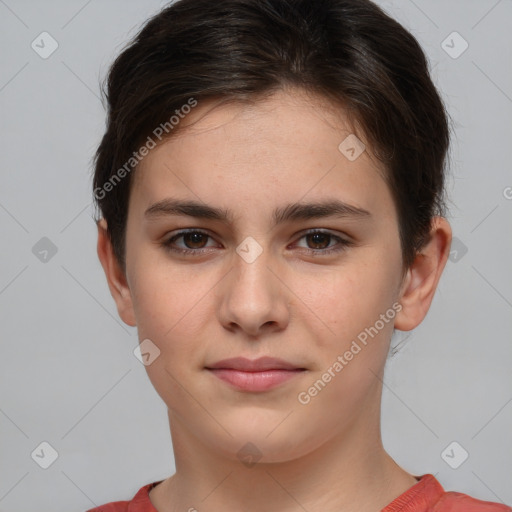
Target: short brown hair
[[349, 51]]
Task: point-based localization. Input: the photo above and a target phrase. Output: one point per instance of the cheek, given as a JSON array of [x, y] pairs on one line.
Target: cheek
[[170, 311], [350, 301], [170, 306], [347, 298]]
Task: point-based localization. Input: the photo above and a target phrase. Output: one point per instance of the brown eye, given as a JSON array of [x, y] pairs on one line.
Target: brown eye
[[195, 240], [318, 240], [322, 243], [192, 242]]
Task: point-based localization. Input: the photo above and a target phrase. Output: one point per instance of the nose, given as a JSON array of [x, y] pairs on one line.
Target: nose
[[253, 301]]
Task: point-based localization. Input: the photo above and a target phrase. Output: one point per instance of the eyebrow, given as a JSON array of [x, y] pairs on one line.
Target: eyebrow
[[291, 212]]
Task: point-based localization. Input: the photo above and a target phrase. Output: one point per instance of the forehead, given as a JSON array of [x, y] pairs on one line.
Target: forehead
[[290, 122], [256, 152]]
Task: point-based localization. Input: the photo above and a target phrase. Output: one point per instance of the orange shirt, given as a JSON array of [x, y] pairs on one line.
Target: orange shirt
[[426, 496]]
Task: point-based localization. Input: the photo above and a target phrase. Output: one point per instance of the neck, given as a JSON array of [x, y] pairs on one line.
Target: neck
[[345, 473]]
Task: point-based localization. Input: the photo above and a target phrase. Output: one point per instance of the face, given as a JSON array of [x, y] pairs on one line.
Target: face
[[251, 235]]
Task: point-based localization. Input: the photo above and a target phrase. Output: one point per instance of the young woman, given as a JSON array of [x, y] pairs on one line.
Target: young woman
[[271, 193]]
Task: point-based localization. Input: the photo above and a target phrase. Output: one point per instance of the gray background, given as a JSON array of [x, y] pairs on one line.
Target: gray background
[[68, 375]]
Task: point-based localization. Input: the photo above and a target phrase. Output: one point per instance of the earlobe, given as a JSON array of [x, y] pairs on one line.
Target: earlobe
[[423, 276], [116, 278]]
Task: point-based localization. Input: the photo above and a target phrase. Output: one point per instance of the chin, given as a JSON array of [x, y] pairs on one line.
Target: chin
[[264, 441]]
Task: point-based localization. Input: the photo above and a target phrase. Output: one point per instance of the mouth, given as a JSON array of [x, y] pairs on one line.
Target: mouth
[[255, 375]]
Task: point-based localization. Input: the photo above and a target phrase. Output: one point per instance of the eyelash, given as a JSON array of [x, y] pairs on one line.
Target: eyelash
[[342, 243]]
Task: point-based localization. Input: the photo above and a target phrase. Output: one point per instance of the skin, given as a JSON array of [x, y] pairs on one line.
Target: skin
[[289, 303]]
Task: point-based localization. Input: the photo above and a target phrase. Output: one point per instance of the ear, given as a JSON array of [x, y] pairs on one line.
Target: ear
[[115, 276], [423, 275]]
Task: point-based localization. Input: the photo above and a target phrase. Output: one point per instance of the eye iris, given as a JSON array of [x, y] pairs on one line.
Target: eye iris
[[321, 239], [194, 240]]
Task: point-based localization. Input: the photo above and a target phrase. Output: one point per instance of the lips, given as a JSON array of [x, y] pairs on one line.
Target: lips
[[254, 375], [254, 365]]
